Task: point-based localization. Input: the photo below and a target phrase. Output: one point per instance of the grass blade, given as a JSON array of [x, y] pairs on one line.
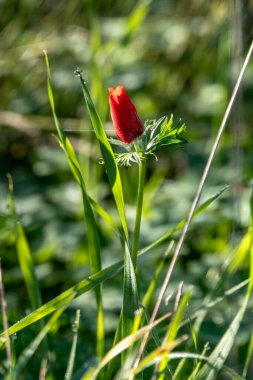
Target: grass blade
[[5, 322], [150, 291], [123, 345], [65, 298], [84, 286], [181, 224], [29, 351], [24, 255], [108, 155], [69, 371], [158, 354], [92, 232], [221, 351], [130, 295], [248, 357], [240, 253], [172, 332]]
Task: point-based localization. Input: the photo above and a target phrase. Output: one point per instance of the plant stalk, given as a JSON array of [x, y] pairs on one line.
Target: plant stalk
[[141, 179]]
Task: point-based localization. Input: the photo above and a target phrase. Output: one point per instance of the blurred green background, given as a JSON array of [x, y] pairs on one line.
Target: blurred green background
[[172, 56]]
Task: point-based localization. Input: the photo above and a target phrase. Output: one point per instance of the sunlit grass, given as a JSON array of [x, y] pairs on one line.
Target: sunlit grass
[[94, 244]]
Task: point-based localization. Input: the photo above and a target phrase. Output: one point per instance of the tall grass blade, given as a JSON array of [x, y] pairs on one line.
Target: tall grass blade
[[69, 371], [107, 154], [221, 351], [24, 255], [158, 354], [137, 17], [240, 253], [5, 322], [83, 286], [130, 295], [181, 224], [123, 345], [30, 350], [248, 357], [196, 198], [150, 291], [64, 298], [91, 225], [197, 367], [172, 332]]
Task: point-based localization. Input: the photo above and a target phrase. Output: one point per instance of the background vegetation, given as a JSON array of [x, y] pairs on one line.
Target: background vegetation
[[172, 56]]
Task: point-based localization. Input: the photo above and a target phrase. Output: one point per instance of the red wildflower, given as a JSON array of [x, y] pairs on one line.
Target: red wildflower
[[125, 119]]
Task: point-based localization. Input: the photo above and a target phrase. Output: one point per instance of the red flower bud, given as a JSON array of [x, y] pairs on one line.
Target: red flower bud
[[126, 121]]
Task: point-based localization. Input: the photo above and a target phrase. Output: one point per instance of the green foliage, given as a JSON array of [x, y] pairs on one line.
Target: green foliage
[[157, 134], [107, 154], [169, 60]]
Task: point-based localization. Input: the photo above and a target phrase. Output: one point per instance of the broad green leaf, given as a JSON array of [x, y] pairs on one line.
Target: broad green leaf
[[107, 154], [181, 224], [223, 348]]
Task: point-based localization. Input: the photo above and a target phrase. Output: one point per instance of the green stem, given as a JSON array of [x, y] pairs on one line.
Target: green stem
[[141, 179]]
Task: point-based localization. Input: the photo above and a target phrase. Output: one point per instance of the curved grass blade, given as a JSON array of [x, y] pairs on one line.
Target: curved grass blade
[[221, 351], [158, 354], [65, 298], [92, 232], [69, 371], [197, 365], [83, 287], [172, 333], [186, 355], [181, 224], [107, 153], [121, 346]]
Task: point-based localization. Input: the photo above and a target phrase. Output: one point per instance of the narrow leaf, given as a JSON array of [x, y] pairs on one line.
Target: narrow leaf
[[69, 371], [87, 284], [181, 224], [108, 155], [30, 350], [65, 298], [130, 295], [173, 330], [24, 255], [123, 345], [92, 232], [222, 350], [157, 354]]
